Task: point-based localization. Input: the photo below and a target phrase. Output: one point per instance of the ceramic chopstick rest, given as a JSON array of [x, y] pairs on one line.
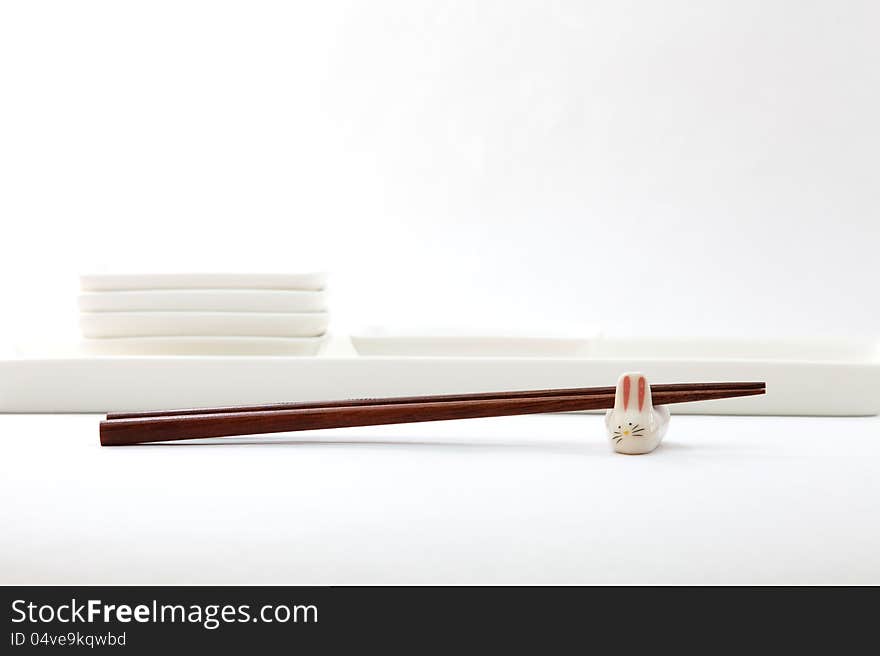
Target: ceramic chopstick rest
[[635, 425]]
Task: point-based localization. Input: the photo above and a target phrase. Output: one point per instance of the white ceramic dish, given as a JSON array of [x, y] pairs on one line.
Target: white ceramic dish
[[205, 300], [130, 282], [198, 324], [470, 346], [288, 346], [798, 383]]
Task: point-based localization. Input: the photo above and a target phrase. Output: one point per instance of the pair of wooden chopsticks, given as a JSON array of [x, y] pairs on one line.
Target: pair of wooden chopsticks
[[140, 427]]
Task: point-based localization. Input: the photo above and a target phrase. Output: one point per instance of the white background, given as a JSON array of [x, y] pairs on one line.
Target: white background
[[667, 167]]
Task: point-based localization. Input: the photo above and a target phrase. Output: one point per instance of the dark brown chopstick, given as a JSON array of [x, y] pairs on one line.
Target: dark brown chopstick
[[435, 398], [118, 432]]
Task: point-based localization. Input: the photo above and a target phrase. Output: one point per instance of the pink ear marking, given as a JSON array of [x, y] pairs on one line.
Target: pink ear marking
[[626, 384], [641, 393]]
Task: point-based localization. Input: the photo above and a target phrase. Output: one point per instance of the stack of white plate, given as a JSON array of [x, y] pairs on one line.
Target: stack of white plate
[[203, 314]]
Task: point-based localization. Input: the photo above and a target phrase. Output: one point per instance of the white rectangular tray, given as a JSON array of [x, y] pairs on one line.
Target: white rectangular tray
[[805, 378]]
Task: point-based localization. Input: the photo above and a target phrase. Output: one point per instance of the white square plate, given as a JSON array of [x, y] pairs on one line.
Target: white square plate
[[252, 324], [817, 379], [205, 300], [128, 282]]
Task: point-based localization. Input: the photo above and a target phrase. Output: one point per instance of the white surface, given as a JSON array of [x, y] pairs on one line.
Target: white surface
[[519, 499], [132, 281], [208, 324], [211, 300], [797, 379]]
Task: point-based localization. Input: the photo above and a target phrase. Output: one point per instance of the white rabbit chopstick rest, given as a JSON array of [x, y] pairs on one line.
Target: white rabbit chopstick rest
[[635, 425]]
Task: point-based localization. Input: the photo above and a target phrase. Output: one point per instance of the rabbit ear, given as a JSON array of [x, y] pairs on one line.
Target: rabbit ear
[[644, 393], [623, 394]]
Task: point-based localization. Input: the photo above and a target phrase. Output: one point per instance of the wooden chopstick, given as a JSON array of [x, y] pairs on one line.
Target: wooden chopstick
[[434, 398], [118, 432]]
